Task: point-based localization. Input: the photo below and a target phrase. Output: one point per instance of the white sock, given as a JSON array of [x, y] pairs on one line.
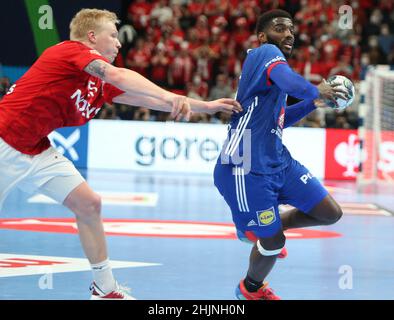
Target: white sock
[[103, 277]]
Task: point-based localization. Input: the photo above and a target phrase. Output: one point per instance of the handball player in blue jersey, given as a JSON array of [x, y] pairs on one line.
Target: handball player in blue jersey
[[255, 172]]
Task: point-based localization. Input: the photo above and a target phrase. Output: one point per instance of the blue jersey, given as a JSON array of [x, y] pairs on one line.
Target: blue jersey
[[255, 135]]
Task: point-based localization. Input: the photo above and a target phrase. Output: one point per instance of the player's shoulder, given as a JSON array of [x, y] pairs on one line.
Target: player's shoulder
[[270, 50], [71, 46], [266, 52]]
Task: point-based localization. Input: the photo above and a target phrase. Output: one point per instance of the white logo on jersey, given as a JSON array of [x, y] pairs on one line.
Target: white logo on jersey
[[82, 105], [11, 89], [277, 58], [92, 90], [305, 177], [66, 144]]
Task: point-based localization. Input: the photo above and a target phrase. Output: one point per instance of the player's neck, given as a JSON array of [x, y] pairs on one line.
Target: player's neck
[[87, 43]]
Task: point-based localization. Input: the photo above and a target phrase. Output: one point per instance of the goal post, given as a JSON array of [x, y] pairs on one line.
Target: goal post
[[376, 130]]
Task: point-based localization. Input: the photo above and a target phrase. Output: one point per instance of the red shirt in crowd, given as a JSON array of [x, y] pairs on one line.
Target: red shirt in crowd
[[55, 92]]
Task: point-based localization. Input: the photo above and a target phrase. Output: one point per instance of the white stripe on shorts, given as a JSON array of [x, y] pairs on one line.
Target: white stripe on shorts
[[240, 190]]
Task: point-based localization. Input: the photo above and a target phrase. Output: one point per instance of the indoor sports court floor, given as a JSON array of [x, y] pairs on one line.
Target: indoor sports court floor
[[170, 237]]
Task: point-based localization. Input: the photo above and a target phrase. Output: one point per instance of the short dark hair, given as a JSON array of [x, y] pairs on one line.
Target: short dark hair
[[266, 18]]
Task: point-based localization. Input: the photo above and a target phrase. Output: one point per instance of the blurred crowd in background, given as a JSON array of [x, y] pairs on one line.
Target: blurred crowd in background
[[197, 48]]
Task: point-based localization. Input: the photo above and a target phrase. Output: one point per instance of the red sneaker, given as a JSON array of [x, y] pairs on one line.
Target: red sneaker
[[264, 293], [283, 253], [120, 293]]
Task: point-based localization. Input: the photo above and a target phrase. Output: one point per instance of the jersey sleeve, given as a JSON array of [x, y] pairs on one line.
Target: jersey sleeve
[[272, 57], [110, 92], [79, 55], [276, 69]]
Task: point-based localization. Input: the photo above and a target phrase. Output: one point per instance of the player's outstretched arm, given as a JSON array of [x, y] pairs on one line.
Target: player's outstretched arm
[[220, 105], [295, 85], [139, 89]]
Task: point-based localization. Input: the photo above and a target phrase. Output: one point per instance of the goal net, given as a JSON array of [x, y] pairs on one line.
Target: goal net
[[376, 131]]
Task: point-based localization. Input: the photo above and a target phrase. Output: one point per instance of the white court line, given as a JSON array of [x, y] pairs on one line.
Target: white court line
[[14, 265]]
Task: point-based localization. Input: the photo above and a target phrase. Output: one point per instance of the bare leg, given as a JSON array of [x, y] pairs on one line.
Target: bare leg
[[260, 266], [325, 213], [87, 208], [264, 255]]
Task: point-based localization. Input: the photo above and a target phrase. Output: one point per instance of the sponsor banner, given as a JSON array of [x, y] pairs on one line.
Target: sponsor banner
[[342, 154], [386, 157], [182, 147], [72, 142], [307, 145], [194, 148], [155, 146]]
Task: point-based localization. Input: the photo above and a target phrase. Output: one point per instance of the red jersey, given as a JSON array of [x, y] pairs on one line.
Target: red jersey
[[55, 92]]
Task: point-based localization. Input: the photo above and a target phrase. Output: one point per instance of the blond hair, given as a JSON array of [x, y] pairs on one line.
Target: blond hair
[[89, 19]]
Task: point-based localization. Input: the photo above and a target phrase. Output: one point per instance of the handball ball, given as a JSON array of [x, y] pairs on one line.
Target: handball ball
[[345, 84]]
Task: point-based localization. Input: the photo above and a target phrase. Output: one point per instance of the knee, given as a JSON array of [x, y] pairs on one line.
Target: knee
[[89, 208], [271, 246], [335, 215], [327, 212]]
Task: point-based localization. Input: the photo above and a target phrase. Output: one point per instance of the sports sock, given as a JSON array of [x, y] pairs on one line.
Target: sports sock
[[252, 285], [103, 277]]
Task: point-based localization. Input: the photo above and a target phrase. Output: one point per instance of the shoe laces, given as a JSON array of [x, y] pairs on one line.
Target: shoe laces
[[267, 292], [123, 290]]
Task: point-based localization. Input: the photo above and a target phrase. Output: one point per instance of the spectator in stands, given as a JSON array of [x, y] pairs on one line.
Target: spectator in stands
[[138, 58], [202, 29], [181, 68], [139, 13], [108, 111], [375, 52], [313, 69], [385, 39], [222, 88], [124, 112], [241, 33], [143, 114], [162, 12], [218, 34], [205, 57], [343, 68], [196, 7], [341, 121], [199, 87], [160, 63]]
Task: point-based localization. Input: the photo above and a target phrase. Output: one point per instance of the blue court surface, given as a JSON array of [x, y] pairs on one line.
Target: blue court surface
[[170, 237]]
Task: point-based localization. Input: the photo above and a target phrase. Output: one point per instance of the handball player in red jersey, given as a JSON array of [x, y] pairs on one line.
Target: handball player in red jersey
[[67, 86]]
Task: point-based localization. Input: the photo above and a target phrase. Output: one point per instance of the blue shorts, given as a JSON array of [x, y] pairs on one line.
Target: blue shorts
[[254, 198]]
